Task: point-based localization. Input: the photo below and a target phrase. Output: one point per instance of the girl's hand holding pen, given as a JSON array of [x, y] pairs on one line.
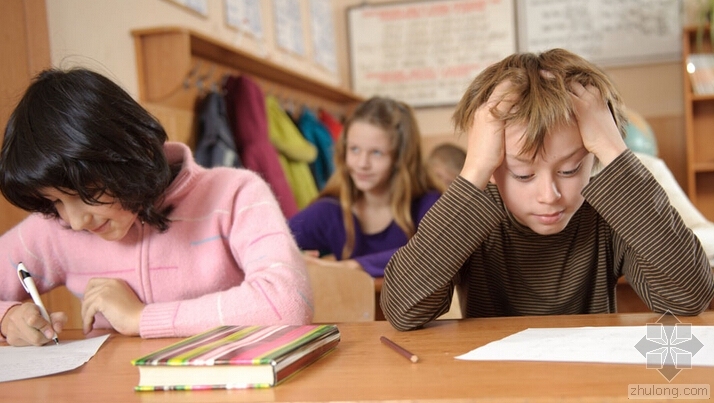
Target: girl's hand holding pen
[[23, 325]]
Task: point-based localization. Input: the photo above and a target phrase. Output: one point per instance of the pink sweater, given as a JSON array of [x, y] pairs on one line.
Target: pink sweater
[[227, 258]]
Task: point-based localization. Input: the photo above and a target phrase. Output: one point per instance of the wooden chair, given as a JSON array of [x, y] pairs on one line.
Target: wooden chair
[[456, 311], [458, 305], [341, 295]]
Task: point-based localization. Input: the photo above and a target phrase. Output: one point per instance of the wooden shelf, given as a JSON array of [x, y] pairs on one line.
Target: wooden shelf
[[176, 66], [704, 167], [166, 56], [703, 98], [699, 129]]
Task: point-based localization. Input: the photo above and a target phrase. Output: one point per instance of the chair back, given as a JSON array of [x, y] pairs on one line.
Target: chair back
[[341, 294]]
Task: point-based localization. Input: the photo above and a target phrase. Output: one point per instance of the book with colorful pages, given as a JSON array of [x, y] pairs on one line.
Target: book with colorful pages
[[235, 357]]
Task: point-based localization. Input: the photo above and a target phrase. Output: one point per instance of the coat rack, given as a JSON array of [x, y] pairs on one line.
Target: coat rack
[[169, 57]]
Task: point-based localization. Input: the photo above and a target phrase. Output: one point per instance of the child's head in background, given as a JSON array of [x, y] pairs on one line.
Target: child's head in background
[[379, 154], [75, 134], [401, 146], [445, 162]]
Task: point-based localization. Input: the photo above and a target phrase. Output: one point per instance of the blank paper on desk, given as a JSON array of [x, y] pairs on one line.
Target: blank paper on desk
[[31, 361], [616, 345]]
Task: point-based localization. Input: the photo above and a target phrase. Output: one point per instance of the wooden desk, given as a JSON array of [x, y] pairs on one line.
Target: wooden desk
[[361, 368]]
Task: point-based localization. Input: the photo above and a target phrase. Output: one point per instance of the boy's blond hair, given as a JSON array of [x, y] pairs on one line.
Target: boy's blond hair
[[540, 83]]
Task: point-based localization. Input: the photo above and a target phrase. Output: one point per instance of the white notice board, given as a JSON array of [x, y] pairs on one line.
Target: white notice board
[[288, 26], [606, 32], [426, 53]]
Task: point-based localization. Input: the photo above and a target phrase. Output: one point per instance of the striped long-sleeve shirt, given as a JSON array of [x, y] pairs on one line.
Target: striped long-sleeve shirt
[[626, 226]]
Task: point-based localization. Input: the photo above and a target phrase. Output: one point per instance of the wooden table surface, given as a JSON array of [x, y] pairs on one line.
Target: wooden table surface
[[361, 368]]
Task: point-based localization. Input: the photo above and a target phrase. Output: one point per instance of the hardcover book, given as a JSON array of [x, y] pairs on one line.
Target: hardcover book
[[235, 357]]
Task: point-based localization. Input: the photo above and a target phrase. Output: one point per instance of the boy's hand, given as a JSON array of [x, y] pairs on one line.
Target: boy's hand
[[116, 301], [23, 325], [486, 138], [596, 124]]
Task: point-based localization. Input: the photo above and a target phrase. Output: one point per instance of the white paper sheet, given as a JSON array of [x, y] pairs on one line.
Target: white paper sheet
[[618, 345], [31, 362]]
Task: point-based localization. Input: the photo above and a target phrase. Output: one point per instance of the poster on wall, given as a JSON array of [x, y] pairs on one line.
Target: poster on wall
[[197, 6], [323, 34], [288, 26], [426, 53], [606, 32], [245, 16]]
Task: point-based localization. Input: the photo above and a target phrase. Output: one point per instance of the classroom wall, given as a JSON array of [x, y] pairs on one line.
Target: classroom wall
[[97, 33], [654, 90]]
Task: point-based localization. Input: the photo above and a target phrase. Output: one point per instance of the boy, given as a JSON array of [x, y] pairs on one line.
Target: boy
[[445, 162], [525, 228]]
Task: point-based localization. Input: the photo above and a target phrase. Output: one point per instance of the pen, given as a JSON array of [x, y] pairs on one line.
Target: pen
[[29, 284], [401, 350]]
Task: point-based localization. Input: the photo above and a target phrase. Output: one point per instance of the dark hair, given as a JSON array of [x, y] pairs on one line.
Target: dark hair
[[80, 133]]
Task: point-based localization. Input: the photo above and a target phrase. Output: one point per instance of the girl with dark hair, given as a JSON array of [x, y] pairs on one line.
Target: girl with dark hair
[[185, 249], [379, 192]]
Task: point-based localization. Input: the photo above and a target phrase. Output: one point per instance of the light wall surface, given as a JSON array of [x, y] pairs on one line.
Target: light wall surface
[[97, 34]]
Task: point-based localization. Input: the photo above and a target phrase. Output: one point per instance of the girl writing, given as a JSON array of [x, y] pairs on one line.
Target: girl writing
[[151, 243]]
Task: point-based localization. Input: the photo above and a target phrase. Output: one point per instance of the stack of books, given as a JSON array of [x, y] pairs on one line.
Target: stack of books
[[700, 67], [235, 357]]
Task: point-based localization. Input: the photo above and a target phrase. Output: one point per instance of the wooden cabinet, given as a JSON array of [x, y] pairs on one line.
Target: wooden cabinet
[[24, 51], [699, 121]]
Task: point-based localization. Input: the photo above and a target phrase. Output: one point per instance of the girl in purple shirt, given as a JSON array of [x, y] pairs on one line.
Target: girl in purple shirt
[[379, 192]]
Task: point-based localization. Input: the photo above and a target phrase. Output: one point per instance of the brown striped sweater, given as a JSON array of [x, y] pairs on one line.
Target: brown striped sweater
[[626, 226]]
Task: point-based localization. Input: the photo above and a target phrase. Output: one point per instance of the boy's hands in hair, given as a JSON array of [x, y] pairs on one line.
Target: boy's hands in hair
[[486, 139], [114, 299], [596, 124], [23, 325]]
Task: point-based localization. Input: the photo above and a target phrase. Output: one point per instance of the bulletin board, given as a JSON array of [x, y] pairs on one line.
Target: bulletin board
[[606, 32], [199, 7], [426, 53]]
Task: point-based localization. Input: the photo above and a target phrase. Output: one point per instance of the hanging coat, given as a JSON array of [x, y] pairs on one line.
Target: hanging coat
[[332, 124], [215, 145], [295, 153], [246, 110], [316, 133]]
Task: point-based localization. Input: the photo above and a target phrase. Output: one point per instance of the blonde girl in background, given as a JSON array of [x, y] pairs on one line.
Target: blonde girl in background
[[377, 196]]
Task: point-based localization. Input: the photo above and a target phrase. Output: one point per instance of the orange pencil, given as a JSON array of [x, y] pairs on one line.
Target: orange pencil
[[401, 350]]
